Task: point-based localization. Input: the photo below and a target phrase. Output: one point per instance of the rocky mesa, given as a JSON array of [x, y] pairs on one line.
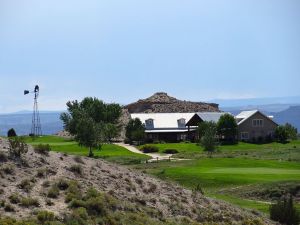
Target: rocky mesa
[[161, 102]]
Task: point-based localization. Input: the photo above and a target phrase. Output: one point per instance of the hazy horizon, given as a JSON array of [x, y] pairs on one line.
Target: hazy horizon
[[285, 102]]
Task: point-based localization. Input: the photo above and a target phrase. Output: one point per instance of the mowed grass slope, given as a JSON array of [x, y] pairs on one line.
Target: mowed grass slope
[[109, 152], [212, 173], [232, 169]]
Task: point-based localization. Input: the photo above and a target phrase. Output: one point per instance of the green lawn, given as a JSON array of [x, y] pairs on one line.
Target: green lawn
[[109, 152], [274, 151], [232, 169]]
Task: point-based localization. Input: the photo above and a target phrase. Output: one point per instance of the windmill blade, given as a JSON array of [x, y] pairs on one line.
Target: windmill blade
[[26, 92]]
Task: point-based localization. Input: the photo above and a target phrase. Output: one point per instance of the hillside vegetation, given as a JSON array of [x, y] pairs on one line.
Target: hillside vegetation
[[72, 189]]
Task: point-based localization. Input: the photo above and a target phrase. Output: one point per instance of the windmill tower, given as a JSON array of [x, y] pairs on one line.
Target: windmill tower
[[36, 129]]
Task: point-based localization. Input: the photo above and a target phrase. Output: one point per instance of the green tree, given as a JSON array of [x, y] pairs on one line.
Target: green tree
[[285, 212], [110, 131], [200, 130], [291, 131], [135, 130], [89, 134], [89, 121], [227, 128], [208, 139], [11, 133], [281, 134]]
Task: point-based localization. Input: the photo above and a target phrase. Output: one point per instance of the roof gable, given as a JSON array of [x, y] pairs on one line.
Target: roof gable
[[205, 116], [245, 115], [211, 116]]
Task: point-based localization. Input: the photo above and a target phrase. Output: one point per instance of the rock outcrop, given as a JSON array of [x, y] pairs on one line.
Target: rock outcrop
[[161, 102]]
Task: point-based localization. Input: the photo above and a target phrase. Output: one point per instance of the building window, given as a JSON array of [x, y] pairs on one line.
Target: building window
[[181, 122], [244, 135], [258, 123], [149, 123]]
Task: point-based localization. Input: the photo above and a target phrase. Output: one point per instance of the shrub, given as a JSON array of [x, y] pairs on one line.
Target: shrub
[[3, 157], [199, 189], [25, 185], [285, 212], [2, 203], [96, 206], [149, 148], [11, 133], [152, 187], [28, 202], [80, 214], [78, 159], [170, 151], [42, 149], [15, 198], [49, 202], [139, 181], [76, 169], [53, 192], [46, 183], [9, 208], [62, 184], [8, 169], [45, 216], [73, 192], [17, 147], [76, 203], [41, 172], [91, 193]]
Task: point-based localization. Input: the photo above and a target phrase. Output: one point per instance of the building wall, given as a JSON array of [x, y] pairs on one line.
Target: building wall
[[268, 127], [167, 137]]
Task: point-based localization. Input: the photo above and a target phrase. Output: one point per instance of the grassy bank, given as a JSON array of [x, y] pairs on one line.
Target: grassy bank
[[110, 152]]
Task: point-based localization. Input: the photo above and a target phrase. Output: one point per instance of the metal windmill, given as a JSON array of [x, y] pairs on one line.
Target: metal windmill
[[36, 129]]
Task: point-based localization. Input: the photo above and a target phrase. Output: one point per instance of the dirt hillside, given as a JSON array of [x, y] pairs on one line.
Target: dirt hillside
[[128, 186]]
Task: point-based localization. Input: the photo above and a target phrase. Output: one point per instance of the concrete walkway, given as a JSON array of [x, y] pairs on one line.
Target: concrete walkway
[[154, 156]]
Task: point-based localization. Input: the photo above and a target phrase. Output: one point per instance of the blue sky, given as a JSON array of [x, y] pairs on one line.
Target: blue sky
[[120, 51]]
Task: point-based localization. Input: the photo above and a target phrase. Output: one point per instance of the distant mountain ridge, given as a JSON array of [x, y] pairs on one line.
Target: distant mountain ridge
[[254, 102], [290, 115], [21, 122], [161, 102]]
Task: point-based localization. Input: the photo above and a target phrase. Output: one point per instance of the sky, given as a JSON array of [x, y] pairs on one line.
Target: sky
[[122, 51]]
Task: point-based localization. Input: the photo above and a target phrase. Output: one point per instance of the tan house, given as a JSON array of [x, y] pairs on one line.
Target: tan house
[[255, 126]]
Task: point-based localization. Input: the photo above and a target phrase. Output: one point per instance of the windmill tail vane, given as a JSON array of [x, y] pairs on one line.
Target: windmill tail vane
[[36, 129]]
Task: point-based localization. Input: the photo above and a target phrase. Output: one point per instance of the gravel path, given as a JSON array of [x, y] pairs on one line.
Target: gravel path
[[154, 156]]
